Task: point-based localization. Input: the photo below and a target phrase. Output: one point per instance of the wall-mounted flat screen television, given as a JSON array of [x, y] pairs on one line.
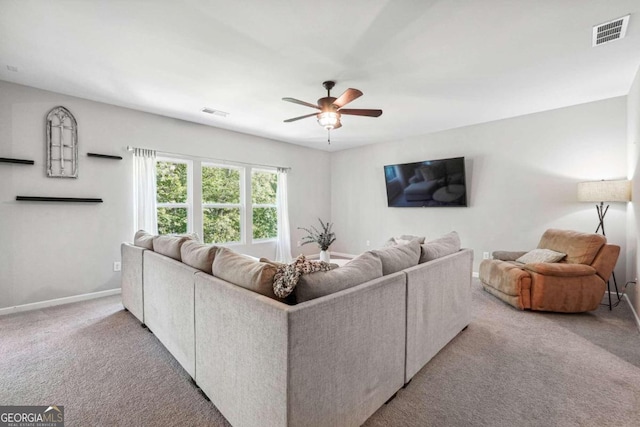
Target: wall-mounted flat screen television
[[431, 183]]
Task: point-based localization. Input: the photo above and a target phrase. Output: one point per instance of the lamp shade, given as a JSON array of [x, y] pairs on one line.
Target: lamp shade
[[604, 191], [328, 119]]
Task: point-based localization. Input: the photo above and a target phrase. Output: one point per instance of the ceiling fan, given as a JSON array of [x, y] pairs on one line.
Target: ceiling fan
[[331, 108]]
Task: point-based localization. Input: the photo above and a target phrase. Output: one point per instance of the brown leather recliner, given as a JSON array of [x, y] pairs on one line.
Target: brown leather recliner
[[573, 285]]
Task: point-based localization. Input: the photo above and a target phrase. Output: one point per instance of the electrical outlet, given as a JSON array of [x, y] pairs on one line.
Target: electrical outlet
[[368, 243], [299, 243], [117, 266], [485, 255]]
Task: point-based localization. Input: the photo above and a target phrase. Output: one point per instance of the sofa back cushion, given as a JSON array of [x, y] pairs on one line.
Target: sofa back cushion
[[143, 239], [244, 271], [403, 239], [442, 246], [359, 270], [399, 257], [581, 248], [170, 245], [198, 255]]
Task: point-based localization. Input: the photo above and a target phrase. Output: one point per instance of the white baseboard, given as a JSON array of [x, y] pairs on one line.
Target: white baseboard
[[635, 314], [58, 301]]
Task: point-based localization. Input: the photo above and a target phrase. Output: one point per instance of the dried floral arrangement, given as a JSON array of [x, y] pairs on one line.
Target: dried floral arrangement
[[323, 238]]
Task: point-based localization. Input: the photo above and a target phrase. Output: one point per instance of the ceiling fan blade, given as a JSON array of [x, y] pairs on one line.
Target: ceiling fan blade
[[346, 97], [301, 117], [297, 101], [360, 112]]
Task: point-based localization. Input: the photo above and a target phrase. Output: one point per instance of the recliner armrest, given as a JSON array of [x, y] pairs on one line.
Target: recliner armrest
[[507, 255], [560, 269]]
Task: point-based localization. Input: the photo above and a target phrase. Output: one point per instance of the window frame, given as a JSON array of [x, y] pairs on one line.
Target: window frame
[[263, 205], [196, 206], [241, 205], [189, 203]]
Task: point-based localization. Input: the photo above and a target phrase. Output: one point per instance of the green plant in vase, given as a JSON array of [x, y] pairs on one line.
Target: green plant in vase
[[323, 238]]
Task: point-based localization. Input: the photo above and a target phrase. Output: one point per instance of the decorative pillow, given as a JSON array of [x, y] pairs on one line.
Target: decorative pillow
[[442, 246], [541, 255], [192, 236], [359, 270], [397, 258], [170, 245], [198, 255], [144, 239], [433, 172], [288, 275], [276, 264], [245, 272], [403, 240]]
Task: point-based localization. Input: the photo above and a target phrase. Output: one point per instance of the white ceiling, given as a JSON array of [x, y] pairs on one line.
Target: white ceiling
[[430, 65]]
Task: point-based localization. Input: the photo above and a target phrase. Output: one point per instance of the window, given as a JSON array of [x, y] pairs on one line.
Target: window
[[222, 204], [263, 199], [173, 196]]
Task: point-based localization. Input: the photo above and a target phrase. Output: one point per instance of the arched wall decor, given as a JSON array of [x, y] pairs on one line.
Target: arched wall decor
[[62, 144]]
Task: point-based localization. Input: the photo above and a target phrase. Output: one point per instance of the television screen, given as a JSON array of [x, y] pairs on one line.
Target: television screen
[[432, 183]]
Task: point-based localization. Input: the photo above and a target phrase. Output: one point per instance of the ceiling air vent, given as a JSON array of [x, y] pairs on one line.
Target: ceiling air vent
[[610, 31], [214, 112]]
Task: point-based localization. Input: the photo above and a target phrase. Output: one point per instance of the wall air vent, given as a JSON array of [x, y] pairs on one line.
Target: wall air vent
[[214, 112], [610, 31]]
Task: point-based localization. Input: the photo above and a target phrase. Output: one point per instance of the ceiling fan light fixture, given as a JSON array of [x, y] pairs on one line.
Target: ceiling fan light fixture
[[328, 119]]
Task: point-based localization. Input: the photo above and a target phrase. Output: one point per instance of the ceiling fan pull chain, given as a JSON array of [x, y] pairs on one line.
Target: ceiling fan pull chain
[[329, 136]]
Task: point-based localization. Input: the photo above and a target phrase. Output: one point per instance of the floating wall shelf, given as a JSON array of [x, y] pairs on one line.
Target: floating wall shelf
[[57, 199], [16, 161], [104, 156]]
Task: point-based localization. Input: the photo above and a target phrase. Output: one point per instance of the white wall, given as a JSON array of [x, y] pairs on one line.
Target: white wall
[[522, 175], [56, 250], [633, 140]]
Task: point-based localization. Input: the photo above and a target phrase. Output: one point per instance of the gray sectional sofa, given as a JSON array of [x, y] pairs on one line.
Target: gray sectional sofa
[[328, 361]]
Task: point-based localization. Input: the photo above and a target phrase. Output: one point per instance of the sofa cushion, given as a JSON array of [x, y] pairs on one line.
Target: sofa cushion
[[245, 272], [442, 246], [541, 255], [581, 248], [403, 240], [169, 245], [399, 257], [198, 255], [143, 239], [359, 270]]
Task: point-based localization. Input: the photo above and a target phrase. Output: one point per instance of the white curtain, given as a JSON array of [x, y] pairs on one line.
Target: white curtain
[[144, 190], [283, 246]]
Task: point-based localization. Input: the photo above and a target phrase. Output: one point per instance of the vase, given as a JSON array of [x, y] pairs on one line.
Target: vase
[[324, 256]]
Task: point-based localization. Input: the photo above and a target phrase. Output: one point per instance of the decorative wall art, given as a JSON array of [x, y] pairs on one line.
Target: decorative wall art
[[62, 144]]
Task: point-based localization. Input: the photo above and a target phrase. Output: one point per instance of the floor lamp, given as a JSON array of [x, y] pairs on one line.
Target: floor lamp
[[605, 191]]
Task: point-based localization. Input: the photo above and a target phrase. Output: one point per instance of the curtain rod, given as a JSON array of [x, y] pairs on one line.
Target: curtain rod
[[131, 148]]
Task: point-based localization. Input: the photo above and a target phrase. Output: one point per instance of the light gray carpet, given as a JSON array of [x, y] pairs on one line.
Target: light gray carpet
[[509, 368]]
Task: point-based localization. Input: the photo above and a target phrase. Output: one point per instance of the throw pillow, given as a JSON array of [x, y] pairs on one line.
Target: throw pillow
[[440, 247], [245, 272], [169, 246], [198, 255], [541, 255], [276, 264], [404, 239], [144, 239], [399, 257], [359, 270]]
